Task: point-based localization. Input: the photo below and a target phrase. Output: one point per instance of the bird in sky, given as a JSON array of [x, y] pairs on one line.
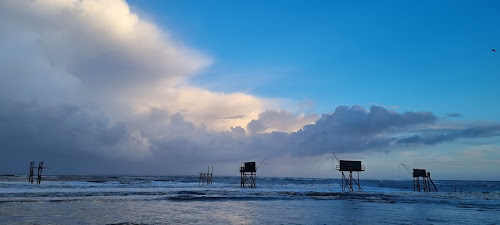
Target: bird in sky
[[493, 50]]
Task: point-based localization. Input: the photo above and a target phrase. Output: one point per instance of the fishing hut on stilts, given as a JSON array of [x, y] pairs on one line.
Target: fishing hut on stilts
[[348, 182], [248, 173], [427, 183], [206, 178]]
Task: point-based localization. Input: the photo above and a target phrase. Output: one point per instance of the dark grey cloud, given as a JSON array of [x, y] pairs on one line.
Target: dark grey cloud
[[439, 136], [167, 142], [67, 137], [348, 129], [257, 126], [351, 129], [58, 127]]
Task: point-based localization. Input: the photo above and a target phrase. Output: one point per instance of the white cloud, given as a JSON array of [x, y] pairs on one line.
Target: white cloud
[[217, 111], [97, 52], [279, 120]]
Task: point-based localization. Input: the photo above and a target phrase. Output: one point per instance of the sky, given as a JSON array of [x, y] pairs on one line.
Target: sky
[[171, 87]]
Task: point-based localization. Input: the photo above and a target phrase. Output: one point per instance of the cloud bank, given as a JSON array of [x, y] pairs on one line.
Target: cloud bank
[[90, 82]]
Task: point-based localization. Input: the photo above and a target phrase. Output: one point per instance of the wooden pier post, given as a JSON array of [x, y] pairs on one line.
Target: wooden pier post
[[32, 166], [39, 174]]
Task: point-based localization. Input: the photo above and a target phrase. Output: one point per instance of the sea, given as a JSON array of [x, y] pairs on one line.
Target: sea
[[275, 200]]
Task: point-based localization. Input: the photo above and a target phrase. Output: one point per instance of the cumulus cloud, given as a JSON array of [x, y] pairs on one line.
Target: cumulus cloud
[[101, 43], [217, 111], [348, 129], [279, 120], [103, 54], [99, 79], [357, 129]]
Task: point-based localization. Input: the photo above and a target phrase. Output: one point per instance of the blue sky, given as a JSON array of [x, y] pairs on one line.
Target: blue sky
[[433, 56], [170, 87]]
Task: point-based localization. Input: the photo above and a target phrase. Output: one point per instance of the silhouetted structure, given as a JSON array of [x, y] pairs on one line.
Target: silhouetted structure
[[248, 174], [207, 178], [39, 174], [350, 166], [31, 177], [427, 183]]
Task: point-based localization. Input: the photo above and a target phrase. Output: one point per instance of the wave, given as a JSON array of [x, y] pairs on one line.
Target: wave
[[479, 201], [483, 195]]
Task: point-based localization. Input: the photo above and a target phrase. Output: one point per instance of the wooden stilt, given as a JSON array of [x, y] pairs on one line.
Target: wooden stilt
[[39, 174], [427, 183], [32, 166]]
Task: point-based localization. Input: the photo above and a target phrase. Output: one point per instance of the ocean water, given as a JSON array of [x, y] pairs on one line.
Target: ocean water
[[181, 200]]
